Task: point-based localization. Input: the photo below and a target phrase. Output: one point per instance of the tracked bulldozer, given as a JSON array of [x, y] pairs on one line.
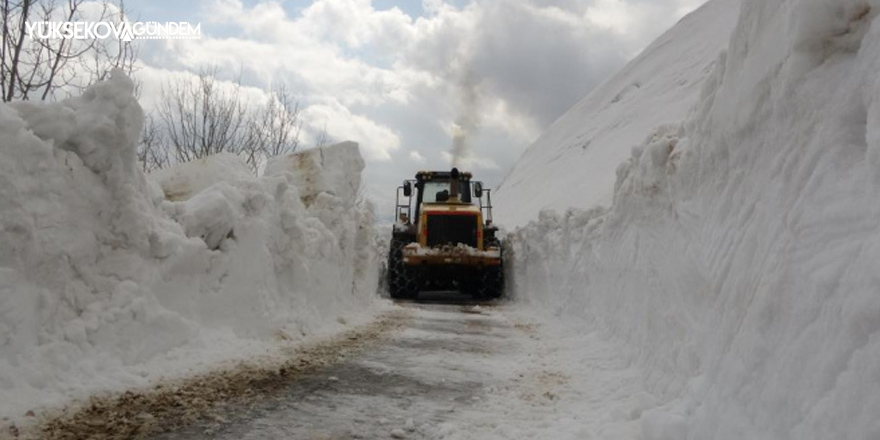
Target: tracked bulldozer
[[444, 238]]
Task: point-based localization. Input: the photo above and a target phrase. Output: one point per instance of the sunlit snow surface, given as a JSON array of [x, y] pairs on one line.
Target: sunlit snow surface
[[573, 164], [111, 280], [728, 289], [737, 267]]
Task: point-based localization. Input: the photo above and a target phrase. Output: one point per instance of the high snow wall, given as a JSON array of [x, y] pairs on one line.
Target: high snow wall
[[572, 164], [738, 262], [110, 279]]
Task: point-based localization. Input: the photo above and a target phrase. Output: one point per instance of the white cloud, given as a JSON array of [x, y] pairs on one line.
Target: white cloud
[[386, 79], [377, 142], [416, 157], [614, 15], [355, 24]]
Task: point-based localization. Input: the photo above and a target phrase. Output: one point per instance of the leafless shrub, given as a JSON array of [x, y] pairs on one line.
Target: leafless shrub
[[35, 68], [206, 116], [151, 151]]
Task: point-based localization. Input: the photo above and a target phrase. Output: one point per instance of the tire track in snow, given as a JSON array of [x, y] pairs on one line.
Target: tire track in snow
[[455, 372], [176, 404]]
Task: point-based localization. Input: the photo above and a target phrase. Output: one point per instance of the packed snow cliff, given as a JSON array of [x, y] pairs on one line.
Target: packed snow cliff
[[110, 278], [737, 265], [572, 164]]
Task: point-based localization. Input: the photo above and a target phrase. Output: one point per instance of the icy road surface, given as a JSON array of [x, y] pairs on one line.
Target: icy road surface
[[458, 371]]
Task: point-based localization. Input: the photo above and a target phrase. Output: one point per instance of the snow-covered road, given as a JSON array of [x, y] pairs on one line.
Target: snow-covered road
[[457, 371]]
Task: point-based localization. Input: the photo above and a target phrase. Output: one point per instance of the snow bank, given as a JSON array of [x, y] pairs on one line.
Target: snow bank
[[184, 180], [105, 283], [572, 164], [737, 265], [335, 171]]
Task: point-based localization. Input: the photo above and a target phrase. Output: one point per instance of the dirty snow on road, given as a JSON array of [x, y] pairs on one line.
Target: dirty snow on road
[[458, 371]]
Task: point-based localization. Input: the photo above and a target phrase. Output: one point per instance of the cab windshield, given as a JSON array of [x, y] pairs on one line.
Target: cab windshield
[[433, 191]]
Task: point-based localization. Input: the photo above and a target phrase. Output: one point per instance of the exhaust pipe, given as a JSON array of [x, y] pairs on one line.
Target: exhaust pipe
[[454, 184]]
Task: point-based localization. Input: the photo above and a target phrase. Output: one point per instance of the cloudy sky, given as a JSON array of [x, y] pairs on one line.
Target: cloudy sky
[[402, 78]]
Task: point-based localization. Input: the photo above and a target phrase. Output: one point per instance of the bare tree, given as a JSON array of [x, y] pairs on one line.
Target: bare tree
[[274, 128], [110, 53], [282, 114], [32, 67], [151, 152], [205, 116], [200, 118], [323, 138]]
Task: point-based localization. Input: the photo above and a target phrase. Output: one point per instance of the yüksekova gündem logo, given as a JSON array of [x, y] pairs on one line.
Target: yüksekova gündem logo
[[123, 31]]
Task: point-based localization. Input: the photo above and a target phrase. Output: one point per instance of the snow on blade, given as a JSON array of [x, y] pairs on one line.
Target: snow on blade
[[737, 264], [106, 284]]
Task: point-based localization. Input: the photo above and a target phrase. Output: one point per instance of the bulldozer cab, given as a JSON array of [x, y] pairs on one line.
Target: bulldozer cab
[[440, 191], [441, 187]]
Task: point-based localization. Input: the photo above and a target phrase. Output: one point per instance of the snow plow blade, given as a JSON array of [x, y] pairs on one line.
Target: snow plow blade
[[418, 257]]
